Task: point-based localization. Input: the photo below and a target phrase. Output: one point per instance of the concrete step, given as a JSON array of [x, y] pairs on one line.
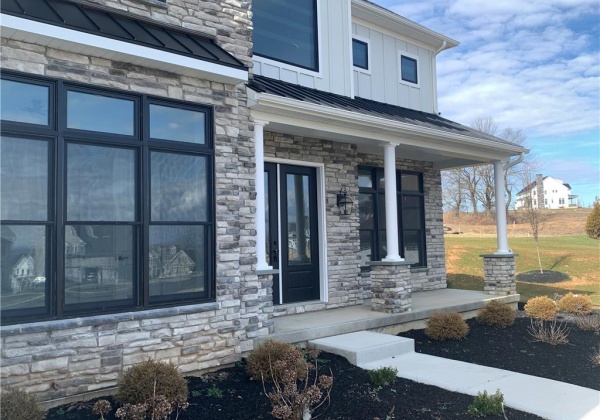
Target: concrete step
[[364, 346]]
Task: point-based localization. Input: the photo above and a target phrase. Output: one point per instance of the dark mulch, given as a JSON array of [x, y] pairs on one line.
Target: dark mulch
[[355, 397], [535, 276], [513, 349]]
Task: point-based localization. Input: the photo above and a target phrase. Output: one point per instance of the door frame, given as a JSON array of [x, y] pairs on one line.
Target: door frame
[[321, 222]]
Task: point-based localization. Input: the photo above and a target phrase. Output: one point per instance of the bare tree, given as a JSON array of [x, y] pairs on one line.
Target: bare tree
[[470, 181], [535, 217], [453, 191]]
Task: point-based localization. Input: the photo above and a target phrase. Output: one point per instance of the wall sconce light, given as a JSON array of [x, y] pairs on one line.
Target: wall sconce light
[[344, 203]]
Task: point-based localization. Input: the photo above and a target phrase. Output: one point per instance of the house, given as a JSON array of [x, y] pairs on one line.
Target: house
[[286, 155], [546, 193]]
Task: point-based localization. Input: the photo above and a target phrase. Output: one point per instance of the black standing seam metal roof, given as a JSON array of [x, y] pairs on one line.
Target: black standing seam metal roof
[[110, 24], [261, 84]]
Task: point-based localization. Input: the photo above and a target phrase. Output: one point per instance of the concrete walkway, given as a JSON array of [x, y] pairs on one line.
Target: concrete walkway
[[544, 397]]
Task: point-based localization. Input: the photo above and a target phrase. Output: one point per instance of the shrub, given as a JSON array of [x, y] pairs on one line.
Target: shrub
[[102, 408], [541, 307], [589, 323], [592, 224], [595, 358], [549, 332], [497, 315], [487, 405], [575, 304], [446, 326], [383, 376], [19, 405], [261, 361], [149, 387]]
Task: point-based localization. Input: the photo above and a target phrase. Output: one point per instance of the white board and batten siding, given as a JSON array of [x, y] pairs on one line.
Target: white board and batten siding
[[383, 82], [335, 73]]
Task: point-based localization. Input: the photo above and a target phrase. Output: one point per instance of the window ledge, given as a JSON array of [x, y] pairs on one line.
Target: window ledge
[[154, 3], [63, 324], [419, 269]]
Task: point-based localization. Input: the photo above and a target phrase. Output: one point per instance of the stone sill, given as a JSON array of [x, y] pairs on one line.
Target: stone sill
[[388, 263], [267, 272], [154, 3], [63, 324], [498, 255]]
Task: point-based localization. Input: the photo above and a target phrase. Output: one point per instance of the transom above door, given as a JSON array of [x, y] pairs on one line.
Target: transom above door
[[292, 235]]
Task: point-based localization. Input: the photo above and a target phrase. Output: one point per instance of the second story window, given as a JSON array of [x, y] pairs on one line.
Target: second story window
[[408, 69], [286, 31], [360, 54]]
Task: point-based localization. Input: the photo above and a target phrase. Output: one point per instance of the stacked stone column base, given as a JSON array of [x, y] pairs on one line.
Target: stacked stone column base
[[390, 285], [499, 274]]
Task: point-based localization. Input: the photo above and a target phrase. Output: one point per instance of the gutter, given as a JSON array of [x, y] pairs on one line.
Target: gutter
[[518, 160]]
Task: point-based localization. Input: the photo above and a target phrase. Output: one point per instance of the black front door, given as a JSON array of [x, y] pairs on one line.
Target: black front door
[[292, 231]]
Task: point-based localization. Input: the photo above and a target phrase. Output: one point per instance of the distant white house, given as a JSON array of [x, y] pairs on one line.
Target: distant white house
[[547, 193]]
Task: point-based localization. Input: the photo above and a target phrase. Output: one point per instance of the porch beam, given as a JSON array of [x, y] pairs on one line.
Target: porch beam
[[259, 157], [391, 203], [501, 231]]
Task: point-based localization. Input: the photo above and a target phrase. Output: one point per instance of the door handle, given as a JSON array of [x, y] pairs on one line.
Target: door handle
[[275, 252]]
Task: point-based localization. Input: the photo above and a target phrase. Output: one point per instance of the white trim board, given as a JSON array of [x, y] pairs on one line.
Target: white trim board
[[111, 49]]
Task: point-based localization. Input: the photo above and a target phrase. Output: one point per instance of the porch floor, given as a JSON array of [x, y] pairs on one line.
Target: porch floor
[[299, 328]]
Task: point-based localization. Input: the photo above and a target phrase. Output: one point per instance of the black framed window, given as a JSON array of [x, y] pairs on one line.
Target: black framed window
[[409, 69], [286, 31], [411, 219], [106, 200], [360, 54]]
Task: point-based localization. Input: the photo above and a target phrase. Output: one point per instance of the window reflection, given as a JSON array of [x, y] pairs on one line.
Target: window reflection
[[178, 124], [178, 186], [24, 102], [100, 183], [177, 260], [87, 111], [98, 263], [24, 175], [22, 266], [298, 199]]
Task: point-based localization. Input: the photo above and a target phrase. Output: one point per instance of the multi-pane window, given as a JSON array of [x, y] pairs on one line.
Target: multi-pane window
[[106, 200], [408, 69], [286, 31], [360, 54], [411, 221]]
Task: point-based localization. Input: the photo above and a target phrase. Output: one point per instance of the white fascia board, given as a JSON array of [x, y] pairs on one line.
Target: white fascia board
[[81, 42], [405, 131], [387, 19]]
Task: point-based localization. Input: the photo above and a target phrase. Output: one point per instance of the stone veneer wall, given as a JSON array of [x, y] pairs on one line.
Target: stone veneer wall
[[61, 358], [434, 275], [339, 159]]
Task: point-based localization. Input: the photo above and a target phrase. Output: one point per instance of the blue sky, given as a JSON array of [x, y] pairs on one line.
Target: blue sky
[[531, 65]]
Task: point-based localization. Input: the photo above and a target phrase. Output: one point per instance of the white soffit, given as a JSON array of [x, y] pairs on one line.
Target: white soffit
[[31, 31]]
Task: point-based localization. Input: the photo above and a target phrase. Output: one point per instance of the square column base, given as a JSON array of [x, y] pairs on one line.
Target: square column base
[[499, 274], [390, 284]]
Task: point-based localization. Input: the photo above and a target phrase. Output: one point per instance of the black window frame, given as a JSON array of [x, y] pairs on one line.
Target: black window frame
[[58, 136], [317, 66], [366, 45], [416, 62], [378, 230]]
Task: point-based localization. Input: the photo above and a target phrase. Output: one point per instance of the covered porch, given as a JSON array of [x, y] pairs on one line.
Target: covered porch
[[302, 327]]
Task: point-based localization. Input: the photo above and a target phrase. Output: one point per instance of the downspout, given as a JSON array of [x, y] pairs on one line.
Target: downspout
[[434, 66], [514, 162]]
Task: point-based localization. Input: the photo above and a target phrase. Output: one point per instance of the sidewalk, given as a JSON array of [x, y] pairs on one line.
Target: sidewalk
[[544, 397]]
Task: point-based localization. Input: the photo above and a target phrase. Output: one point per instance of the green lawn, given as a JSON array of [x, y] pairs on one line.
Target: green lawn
[[576, 256]]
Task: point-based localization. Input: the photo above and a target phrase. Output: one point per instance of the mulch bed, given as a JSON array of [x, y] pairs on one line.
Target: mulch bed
[[548, 276], [355, 397]]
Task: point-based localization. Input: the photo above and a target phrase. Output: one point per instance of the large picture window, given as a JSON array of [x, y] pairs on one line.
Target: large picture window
[[286, 31], [105, 205], [411, 221]]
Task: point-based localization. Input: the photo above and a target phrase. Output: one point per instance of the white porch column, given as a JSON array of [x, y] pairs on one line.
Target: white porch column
[[391, 203], [259, 158], [501, 231]]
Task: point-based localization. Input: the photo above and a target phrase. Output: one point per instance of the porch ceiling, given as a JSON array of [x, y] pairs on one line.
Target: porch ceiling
[[301, 111]]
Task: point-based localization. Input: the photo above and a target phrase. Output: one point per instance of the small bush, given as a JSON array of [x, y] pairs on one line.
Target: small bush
[[549, 332], [102, 408], [589, 323], [592, 224], [487, 405], [497, 315], [150, 386], [446, 326], [383, 376], [575, 304], [261, 361], [541, 307], [19, 405]]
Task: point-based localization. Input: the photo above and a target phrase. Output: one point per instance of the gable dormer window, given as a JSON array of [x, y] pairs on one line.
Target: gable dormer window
[[360, 54], [286, 31], [409, 69]]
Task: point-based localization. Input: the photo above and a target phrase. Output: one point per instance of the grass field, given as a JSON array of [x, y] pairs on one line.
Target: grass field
[[576, 256]]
